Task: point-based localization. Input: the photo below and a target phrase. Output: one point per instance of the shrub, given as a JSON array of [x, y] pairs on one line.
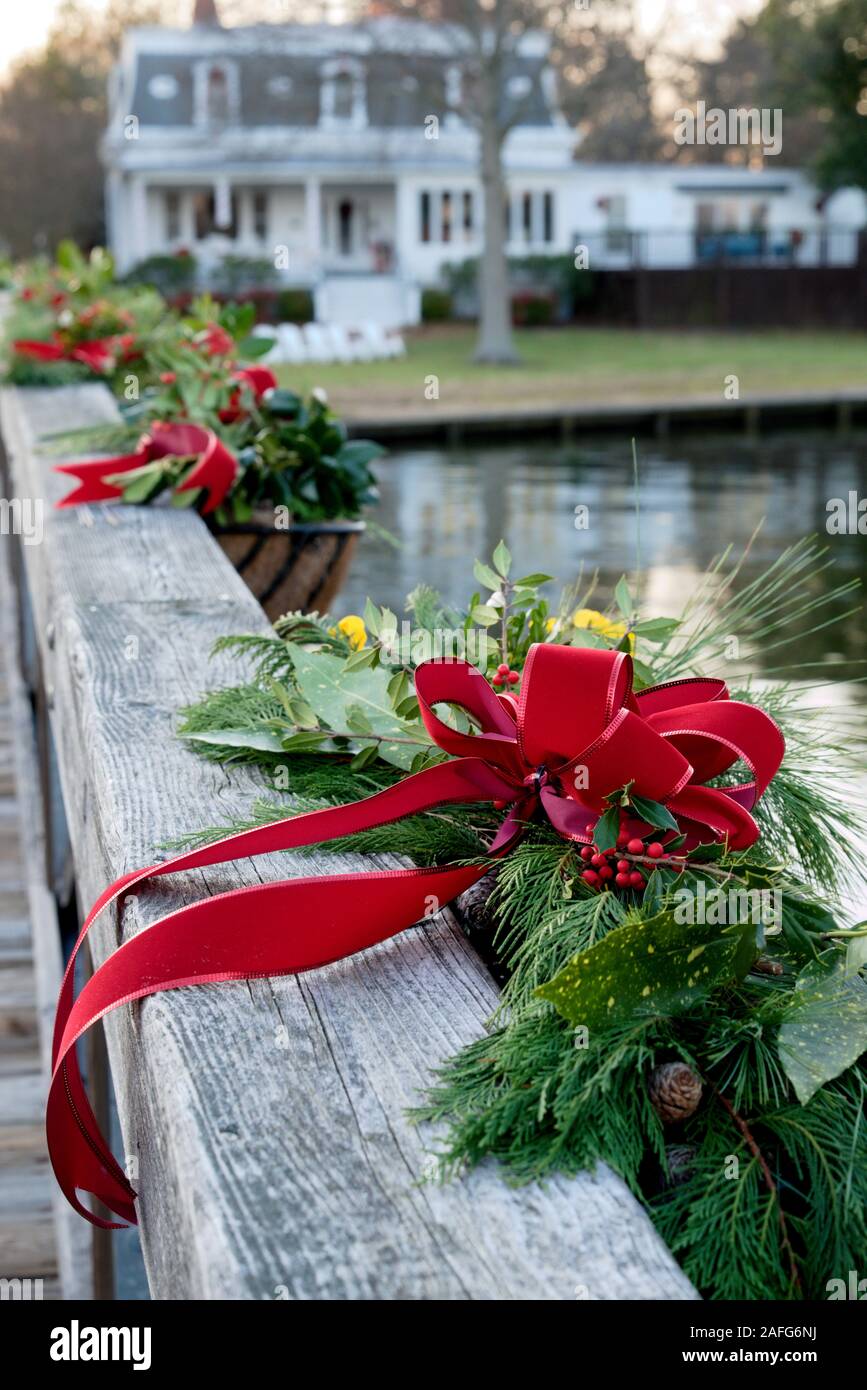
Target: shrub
[[531, 310], [295, 306], [436, 306], [243, 274], [171, 275]]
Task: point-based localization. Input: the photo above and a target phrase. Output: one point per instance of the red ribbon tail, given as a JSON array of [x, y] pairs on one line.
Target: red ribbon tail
[[329, 917], [92, 476]]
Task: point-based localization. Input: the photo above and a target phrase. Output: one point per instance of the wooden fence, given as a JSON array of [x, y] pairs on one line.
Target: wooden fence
[[264, 1123]]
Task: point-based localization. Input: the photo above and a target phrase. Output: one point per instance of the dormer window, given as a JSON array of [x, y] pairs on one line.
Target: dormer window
[[216, 94], [217, 98], [343, 100]]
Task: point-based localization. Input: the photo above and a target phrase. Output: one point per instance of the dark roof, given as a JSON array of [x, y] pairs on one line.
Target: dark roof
[[402, 89]]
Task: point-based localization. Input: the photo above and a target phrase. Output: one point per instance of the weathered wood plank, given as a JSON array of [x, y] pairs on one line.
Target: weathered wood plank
[[267, 1120], [34, 927]]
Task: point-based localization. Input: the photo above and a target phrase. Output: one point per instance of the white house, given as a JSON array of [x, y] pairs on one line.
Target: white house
[[336, 152]]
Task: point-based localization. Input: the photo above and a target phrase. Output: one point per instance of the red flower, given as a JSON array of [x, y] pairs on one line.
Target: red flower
[[168, 378], [216, 341]]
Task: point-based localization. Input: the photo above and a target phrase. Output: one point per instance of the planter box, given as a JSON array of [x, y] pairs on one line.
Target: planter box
[[303, 567]]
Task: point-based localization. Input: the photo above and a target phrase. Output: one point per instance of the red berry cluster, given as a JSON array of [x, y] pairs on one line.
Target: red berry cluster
[[601, 863], [503, 676]]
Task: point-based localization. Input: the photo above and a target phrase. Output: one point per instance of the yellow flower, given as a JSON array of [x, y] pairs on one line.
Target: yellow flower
[[606, 627], [353, 628]]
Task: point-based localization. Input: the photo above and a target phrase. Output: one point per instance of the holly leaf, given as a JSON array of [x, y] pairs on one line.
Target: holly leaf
[[654, 813], [826, 1031], [659, 967], [607, 829]]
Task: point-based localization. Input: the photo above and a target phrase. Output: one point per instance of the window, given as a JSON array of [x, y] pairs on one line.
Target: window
[[217, 97], [424, 216], [344, 227], [205, 216], [446, 217], [548, 216], [343, 96], [173, 214], [527, 216], [260, 214], [215, 93], [468, 215], [616, 234]]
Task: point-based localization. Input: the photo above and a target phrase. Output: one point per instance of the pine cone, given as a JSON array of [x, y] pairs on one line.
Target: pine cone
[[675, 1091], [679, 1163]]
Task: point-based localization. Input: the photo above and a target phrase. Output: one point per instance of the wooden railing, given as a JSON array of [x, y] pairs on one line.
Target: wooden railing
[[264, 1123]]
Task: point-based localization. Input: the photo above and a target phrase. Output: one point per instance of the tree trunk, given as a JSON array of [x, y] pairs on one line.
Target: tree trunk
[[494, 343]]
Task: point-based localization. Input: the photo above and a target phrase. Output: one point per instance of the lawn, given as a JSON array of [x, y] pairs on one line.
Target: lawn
[[568, 365]]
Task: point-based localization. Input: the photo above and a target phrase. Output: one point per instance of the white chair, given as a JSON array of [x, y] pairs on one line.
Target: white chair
[[316, 342], [292, 346], [338, 336], [383, 344]]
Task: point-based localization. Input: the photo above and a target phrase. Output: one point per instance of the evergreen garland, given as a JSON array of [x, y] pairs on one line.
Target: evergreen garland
[[760, 1190]]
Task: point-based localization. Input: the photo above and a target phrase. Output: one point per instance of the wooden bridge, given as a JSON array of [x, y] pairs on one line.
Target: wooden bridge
[[264, 1122]]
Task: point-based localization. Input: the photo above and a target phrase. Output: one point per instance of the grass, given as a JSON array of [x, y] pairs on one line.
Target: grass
[[563, 365]]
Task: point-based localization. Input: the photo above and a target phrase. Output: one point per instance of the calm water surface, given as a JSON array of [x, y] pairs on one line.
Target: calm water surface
[[697, 496]]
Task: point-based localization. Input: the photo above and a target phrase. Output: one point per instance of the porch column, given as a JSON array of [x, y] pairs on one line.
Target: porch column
[[222, 203], [139, 229], [313, 222]]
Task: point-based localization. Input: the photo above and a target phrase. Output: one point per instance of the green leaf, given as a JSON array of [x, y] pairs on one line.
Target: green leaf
[[261, 740], [339, 696], [486, 575], [656, 967], [502, 559], [607, 829], [826, 1030], [654, 813], [532, 580], [657, 629], [366, 755], [484, 615], [371, 617], [623, 598]]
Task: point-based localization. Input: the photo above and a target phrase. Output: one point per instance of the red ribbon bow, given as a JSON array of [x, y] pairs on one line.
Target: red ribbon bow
[[99, 354], [216, 468], [576, 713]]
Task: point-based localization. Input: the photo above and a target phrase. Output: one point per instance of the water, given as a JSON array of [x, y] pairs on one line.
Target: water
[[448, 506]]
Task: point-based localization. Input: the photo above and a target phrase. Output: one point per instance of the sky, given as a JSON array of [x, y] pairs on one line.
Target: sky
[[699, 23]]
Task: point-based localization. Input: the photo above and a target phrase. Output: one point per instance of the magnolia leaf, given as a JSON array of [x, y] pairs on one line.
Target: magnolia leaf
[[531, 581], [826, 1030], [658, 967], [341, 697], [654, 813], [484, 615], [261, 740]]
